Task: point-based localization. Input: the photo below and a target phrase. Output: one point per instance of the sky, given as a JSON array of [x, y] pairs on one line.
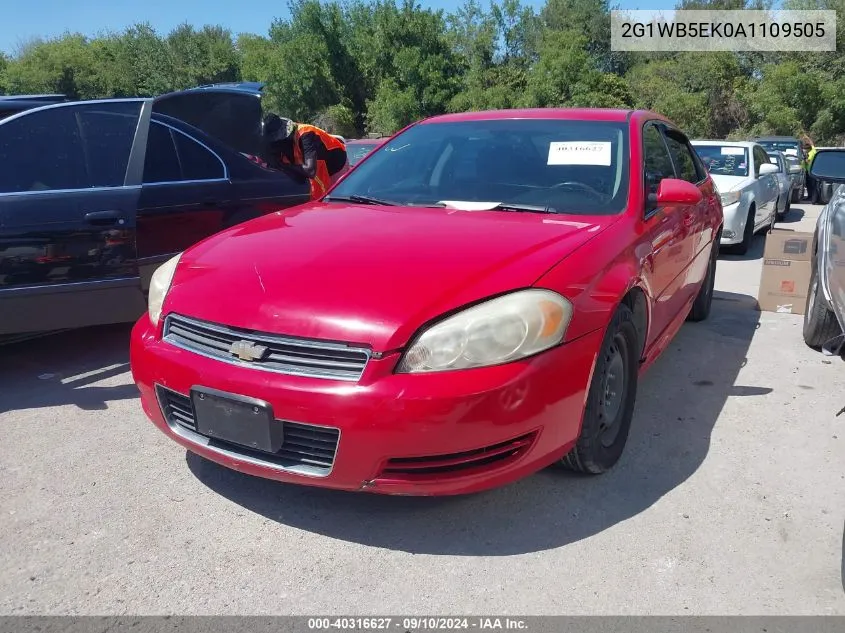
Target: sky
[[51, 18]]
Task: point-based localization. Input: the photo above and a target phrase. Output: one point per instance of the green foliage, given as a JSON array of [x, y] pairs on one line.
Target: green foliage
[[353, 66]]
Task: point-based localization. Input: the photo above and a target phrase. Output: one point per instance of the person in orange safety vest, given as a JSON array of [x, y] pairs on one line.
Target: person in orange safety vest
[[306, 151]]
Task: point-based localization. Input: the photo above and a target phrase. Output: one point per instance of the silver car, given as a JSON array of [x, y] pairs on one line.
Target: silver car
[[784, 180], [824, 318]]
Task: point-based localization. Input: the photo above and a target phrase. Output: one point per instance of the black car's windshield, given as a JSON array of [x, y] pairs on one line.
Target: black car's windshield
[[356, 151], [724, 160], [509, 164]]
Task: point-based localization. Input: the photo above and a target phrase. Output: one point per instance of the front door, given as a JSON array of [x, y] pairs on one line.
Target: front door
[[767, 188], [670, 233], [67, 217]]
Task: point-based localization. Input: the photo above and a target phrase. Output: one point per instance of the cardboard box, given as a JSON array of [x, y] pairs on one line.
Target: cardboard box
[[786, 271]]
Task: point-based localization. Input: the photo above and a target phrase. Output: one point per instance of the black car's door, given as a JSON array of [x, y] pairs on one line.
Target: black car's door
[[185, 198], [67, 215]]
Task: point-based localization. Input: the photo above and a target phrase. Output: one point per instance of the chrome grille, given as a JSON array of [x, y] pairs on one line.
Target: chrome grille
[[306, 447], [299, 357]]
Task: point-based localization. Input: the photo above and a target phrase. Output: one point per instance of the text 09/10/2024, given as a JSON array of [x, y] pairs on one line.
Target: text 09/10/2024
[[741, 30]]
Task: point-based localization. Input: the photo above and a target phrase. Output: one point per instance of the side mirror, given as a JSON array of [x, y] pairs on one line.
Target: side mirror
[[768, 168], [675, 191]]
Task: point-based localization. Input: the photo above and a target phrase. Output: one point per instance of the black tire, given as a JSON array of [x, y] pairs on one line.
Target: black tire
[[820, 324], [786, 209], [601, 443], [796, 196], [704, 299], [747, 235]]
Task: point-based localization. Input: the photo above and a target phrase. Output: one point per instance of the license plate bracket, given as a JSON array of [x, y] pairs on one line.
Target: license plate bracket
[[238, 419]]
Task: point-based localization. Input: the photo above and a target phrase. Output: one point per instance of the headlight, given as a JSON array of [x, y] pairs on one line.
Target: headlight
[[159, 285], [497, 331], [731, 197]]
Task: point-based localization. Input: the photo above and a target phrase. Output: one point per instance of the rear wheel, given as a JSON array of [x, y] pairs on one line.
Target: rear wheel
[[782, 214], [796, 196], [820, 324], [704, 300], [610, 401]]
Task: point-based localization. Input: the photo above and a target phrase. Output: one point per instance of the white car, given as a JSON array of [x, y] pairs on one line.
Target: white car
[[784, 179], [748, 185]]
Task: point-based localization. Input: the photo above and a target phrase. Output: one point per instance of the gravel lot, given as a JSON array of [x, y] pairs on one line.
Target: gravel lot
[[730, 499]]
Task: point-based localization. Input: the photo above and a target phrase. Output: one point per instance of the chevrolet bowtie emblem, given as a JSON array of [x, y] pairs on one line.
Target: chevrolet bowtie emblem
[[247, 350]]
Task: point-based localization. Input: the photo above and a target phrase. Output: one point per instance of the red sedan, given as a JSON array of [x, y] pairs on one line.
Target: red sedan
[[472, 303]]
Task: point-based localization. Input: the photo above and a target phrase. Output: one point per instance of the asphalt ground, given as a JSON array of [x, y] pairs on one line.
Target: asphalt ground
[[730, 498]]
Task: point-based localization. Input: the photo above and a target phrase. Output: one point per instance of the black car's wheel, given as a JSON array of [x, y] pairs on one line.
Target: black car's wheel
[[704, 300], [747, 235], [820, 324], [611, 398]]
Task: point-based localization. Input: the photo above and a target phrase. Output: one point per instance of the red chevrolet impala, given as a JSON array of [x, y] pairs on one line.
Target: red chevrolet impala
[[473, 302]]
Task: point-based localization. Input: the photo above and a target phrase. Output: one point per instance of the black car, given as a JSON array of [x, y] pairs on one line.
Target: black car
[[12, 104], [94, 195]]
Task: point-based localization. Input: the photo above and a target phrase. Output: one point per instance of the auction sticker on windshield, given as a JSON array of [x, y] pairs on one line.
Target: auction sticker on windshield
[[733, 151], [579, 153]]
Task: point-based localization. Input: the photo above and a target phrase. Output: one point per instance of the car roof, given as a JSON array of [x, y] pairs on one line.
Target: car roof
[[365, 141], [776, 138], [34, 97], [250, 87], [576, 114]]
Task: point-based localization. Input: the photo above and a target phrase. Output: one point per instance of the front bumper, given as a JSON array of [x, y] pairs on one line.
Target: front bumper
[[736, 215], [448, 433]]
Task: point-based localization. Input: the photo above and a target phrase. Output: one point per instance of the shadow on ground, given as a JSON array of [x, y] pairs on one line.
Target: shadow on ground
[[794, 215], [61, 369], [679, 403]]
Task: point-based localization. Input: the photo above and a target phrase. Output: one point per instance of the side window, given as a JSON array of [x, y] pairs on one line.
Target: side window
[[40, 151], [682, 155], [161, 164], [76, 146], [108, 131], [760, 158], [656, 161], [197, 162]]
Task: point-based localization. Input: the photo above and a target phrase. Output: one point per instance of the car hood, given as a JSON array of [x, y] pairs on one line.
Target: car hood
[[731, 183], [367, 274]]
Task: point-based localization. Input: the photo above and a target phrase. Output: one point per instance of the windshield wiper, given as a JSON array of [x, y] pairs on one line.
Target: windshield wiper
[[502, 206], [523, 208], [360, 200]]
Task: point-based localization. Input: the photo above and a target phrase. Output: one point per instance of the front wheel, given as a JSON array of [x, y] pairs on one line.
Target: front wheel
[[610, 400], [747, 235]]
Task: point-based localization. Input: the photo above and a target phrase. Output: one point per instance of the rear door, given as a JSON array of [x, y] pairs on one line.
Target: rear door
[[67, 216], [185, 198]]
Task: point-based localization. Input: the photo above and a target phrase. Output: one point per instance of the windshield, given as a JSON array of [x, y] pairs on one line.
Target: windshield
[[554, 165], [780, 146], [356, 151], [724, 160]]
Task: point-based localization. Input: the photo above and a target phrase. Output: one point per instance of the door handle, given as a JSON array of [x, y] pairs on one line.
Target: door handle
[[104, 217]]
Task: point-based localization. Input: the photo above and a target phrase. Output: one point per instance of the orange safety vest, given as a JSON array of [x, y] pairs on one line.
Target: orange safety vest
[[322, 179]]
